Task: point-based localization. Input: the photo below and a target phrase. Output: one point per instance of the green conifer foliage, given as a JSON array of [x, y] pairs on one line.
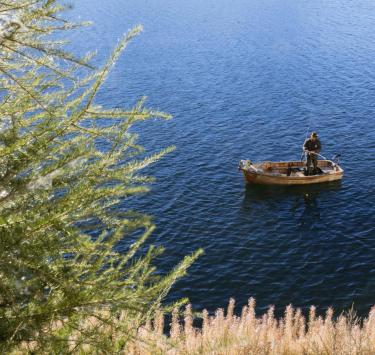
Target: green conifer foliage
[[56, 184]]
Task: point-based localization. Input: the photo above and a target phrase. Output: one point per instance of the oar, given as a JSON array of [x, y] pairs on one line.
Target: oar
[[335, 159]]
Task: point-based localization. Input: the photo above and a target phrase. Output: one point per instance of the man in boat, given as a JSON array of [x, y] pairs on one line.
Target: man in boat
[[312, 147]]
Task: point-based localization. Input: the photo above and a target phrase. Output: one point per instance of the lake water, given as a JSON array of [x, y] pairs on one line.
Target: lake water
[[246, 79]]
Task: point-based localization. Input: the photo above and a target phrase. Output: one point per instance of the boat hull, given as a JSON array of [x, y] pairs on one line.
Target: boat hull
[[254, 178], [264, 178]]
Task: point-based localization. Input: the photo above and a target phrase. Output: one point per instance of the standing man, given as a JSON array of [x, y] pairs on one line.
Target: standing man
[[312, 147]]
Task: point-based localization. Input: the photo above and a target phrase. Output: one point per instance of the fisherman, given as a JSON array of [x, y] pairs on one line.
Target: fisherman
[[312, 147]]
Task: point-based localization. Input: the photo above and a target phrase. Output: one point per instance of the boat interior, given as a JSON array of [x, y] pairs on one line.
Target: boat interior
[[294, 168]]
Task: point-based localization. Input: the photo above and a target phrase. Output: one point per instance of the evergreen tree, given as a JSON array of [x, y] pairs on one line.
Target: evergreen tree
[[65, 163]]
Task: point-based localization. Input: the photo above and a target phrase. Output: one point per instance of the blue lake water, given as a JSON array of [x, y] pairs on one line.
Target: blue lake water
[[246, 79]]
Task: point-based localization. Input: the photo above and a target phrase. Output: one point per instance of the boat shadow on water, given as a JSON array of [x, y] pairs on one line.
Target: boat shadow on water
[[302, 200], [263, 192]]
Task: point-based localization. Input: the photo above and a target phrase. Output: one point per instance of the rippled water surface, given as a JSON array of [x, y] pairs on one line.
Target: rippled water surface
[[247, 79]]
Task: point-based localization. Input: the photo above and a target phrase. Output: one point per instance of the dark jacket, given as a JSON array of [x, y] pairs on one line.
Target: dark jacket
[[312, 146]]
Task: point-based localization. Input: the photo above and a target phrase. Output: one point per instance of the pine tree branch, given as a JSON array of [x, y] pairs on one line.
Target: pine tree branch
[[65, 166]]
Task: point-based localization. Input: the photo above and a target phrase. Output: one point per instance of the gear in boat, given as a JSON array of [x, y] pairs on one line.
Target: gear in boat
[[289, 172]]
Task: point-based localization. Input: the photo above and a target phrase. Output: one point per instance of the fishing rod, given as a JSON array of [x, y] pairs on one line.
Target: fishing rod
[[303, 152]]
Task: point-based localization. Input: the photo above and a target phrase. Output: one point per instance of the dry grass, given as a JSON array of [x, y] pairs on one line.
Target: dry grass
[[228, 334], [247, 334]]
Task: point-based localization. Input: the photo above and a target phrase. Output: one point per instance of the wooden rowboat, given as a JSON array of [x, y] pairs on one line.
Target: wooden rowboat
[[289, 172]]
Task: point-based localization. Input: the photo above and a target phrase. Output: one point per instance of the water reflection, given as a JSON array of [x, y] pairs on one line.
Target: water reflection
[[262, 192], [311, 212], [302, 201]]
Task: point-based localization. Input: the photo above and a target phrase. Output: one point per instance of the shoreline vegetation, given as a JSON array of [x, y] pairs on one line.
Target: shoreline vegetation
[[230, 334]]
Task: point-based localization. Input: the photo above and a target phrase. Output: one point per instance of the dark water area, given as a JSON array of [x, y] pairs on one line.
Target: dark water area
[[246, 80]]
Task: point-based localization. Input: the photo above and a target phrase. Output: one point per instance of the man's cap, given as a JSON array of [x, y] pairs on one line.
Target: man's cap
[[314, 134]]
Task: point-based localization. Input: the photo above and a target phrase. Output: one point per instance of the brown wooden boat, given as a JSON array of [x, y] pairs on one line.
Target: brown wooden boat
[[289, 172]]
